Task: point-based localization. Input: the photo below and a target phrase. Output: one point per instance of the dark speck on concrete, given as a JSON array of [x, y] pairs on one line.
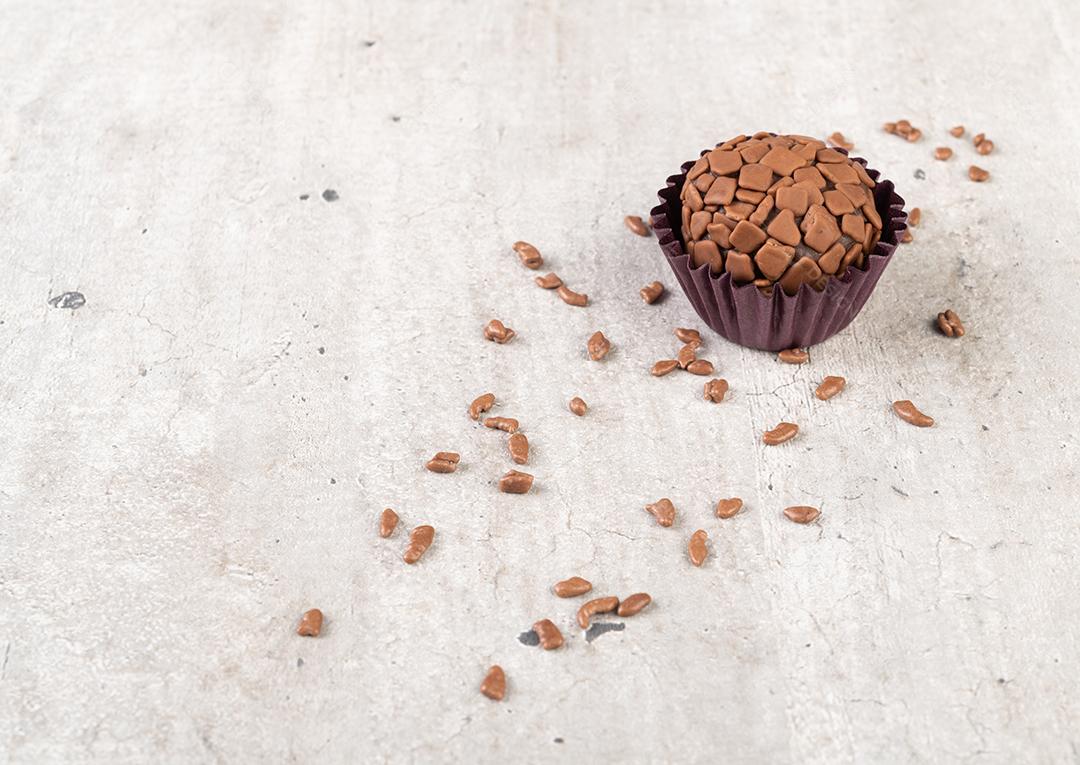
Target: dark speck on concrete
[[299, 662], [920, 175], [144, 230], [599, 628], [304, 197], [346, 377], [368, 43], [985, 428], [330, 195], [333, 481], [395, 117], [558, 740], [70, 300], [529, 638], [321, 350]]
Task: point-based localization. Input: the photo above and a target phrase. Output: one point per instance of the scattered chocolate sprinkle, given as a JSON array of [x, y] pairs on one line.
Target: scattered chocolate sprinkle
[[578, 406], [494, 684], [698, 548], [700, 367], [688, 335], [518, 445], [914, 217], [908, 412], [663, 510], [515, 482], [716, 389], [802, 513], [661, 368], [837, 139], [633, 604], [598, 346], [550, 637], [596, 606], [498, 332], [310, 623], [419, 541], [942, 153], [572, 587], [949, 324], [505, 424], [984, 146], [727, 508], [387, 523], [906, 237], [782, 433], [650, 293], [443, 462], [570, 297], [830, 386], [529, 255], [637, 225], [977, 174], [548, 281], [793, 356], [480, 405], [956, 132]]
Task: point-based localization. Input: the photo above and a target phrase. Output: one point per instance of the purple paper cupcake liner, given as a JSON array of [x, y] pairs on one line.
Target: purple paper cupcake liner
[[745, 316]]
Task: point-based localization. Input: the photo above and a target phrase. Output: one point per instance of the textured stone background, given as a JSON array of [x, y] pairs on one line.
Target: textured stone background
[[199, 453]]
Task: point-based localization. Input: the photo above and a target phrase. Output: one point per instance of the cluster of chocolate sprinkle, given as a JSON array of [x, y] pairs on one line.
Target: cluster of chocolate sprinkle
[[780, 209]]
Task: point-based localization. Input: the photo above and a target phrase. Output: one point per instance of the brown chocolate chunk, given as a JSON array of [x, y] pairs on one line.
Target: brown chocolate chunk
[[829, 263], [761, 214], [724, 162], [750, 197], [708, 254], [830, 156], [740, 266], [687, 355], [856, 192], [727, 508], [977, 174], [722, 190], [840, 173], [837, 139], [755, 177], [663, 510], [773, 260], [310, 623], [420, 540], [854, 226], [578, 406], [747, 237], [838, 203], [810, 175], [699, 223], [914, 217], [783, 227], [700, 367], [957, 132], [804, 271], [783, 161], [942, 153]]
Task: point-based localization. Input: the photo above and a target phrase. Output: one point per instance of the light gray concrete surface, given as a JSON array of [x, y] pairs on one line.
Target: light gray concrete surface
[[200, 452]]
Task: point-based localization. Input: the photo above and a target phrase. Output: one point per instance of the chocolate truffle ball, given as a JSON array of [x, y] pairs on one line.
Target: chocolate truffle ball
[[778, 209]]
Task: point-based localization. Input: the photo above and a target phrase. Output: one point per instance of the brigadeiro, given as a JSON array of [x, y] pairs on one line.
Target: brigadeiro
[[778, 240]]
